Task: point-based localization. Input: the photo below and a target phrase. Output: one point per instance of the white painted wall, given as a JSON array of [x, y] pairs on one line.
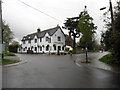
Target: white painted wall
[[54, 40]]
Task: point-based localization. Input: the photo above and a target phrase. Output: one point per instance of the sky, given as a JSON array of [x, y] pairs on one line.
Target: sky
[[46, 14]]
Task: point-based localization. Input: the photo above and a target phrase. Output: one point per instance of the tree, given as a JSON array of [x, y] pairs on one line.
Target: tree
[[14, 46], [87, 28], [71, 25], [116, 34], [111, 38], [7, 34]]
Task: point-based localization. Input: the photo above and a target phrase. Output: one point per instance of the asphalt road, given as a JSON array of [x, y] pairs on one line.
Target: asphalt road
[[44, 71]]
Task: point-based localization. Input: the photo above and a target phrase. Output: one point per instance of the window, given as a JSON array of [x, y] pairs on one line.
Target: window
[[59, 47], [47, 47], [29, 48], [35, 40], [40, 48], [46, 38], [23, 42], [35, 48], [59, 38], [23, 49], [62, 47], [26, 48], [29, 41], [54, 46], [19, 49], [40, 39], [49, 40]]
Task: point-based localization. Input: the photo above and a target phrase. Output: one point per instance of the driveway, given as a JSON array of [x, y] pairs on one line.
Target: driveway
[[44, 71]]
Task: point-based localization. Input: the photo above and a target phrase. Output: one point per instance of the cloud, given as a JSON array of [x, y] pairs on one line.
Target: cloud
[[24, 20]]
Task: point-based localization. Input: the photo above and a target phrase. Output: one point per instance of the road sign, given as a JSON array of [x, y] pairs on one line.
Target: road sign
[[2, 48]]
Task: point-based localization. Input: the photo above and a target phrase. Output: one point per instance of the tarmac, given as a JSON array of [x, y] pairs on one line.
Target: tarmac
[[93, 58], [53, 71]]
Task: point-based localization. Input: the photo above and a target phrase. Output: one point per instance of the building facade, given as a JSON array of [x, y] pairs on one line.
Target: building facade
[[47, 41]]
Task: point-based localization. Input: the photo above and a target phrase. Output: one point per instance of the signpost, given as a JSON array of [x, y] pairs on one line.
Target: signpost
[[2, 47]]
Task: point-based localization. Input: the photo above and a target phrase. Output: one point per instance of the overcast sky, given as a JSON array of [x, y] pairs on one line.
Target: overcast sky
[[24, 20]]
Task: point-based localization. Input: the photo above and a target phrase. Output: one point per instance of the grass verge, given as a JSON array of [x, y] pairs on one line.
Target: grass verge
[[107, 59], [9, 54], [8, 61]]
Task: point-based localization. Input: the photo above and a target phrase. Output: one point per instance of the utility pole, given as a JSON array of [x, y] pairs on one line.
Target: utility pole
[[111, 11], [1, 29]]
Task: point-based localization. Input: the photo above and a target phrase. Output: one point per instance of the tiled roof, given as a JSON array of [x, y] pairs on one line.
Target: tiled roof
[[41, 34]]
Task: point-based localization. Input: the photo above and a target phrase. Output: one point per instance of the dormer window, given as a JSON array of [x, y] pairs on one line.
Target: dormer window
[[29, 41], [59, 38], [47, 38]]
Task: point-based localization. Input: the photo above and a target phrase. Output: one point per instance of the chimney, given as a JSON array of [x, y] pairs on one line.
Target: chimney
[[70, 34], [38, 30], [58, 25]]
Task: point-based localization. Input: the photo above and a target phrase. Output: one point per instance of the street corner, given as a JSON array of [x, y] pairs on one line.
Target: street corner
[[20, 61]]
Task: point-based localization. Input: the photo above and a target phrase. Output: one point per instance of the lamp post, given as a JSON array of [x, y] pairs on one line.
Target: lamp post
[[111, 12]]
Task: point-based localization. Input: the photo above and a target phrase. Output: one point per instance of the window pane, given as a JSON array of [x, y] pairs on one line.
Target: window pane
[[40, 39], [35, 40], [59, 38]]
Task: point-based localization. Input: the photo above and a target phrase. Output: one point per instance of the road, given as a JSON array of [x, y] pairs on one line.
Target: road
[[44, 71]]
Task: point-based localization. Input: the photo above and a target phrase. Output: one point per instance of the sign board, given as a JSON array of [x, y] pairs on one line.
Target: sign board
[[2, 48]]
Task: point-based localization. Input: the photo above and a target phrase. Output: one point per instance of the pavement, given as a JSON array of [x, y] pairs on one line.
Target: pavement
[[93, 59], [44, 71]]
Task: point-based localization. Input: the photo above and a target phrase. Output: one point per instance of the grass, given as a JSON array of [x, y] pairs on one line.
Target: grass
[[107, 59], [9, 54], [8, 61]]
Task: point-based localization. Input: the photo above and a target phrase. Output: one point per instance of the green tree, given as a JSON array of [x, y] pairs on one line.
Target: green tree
[[7, 34], [116, 34], [87, 29], [71, 25], [111, 38]]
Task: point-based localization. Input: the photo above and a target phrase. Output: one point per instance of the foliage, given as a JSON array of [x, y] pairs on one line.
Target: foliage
[[108, 59], [71, 25], [87, 28], [82, 25], [7, 34], [14, 46], [106, 39], [111, 38]]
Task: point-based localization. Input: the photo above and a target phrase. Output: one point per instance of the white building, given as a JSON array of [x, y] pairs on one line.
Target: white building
[[47, 41]]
